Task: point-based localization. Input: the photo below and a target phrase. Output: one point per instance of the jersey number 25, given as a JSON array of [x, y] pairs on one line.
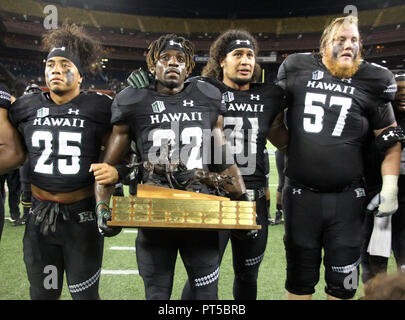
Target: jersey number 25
[[44, 165]]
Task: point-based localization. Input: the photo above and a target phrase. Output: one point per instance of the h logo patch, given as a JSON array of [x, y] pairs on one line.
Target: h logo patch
[[86, 216], [360, 192], [317, 75], [228, 96], [43, 112], [158, 106]]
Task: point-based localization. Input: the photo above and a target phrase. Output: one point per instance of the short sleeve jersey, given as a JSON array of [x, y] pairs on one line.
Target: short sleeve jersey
[[62, 140], [183, 120], [247, 120], [328, 118]]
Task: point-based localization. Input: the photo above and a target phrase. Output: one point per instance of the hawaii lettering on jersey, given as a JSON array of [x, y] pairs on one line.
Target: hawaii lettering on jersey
[[334, 87], [59, 122], [246, 107], [178, 116]]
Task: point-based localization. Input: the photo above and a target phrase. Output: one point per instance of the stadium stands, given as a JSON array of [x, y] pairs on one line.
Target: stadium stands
[[127, 36]]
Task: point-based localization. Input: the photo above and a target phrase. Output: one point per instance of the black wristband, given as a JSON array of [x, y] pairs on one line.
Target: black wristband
[[123, 171]]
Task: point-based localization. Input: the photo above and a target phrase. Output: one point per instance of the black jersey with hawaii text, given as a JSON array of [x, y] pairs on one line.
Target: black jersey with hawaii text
[[328, 118], [183, 120], [247, 120], [62, 140]]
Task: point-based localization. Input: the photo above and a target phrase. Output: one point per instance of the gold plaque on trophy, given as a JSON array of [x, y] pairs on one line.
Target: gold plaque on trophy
[[158, 207]]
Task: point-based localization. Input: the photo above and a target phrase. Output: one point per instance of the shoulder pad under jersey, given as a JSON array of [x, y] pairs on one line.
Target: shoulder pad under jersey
[[24, 106], [130, 96], [380, 80], [207, 87]]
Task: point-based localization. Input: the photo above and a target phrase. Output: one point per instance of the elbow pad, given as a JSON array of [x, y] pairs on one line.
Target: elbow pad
[[389, 137]]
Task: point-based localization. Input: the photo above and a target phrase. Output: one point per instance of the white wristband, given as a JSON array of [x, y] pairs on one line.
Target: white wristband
[[389, 185], [388, 195]]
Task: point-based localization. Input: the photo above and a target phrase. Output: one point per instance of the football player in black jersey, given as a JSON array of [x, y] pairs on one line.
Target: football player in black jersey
[[171, 111], [251, 110], [374, 260], [11, 147], [333, 99], [63, 131]]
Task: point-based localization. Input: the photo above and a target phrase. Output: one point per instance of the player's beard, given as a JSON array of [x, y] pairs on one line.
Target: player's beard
[[342, 72]]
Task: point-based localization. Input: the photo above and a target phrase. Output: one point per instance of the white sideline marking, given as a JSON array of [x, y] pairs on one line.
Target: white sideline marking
[[130, 231], [123, 248], [119, 272]]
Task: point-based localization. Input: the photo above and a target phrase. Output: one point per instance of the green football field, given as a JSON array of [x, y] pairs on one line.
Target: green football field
[[120, 279]]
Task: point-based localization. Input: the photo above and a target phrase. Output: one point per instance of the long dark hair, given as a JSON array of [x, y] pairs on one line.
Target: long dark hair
[[74, 38], [218, 51]]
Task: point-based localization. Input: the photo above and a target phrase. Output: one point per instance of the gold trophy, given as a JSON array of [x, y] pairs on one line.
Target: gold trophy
[[160, 207]]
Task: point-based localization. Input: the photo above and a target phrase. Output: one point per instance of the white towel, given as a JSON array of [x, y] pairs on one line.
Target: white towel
[[380, 241]]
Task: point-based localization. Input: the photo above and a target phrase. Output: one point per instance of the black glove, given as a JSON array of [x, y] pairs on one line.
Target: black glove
[[139, 79], [244, 234], [104, 215]]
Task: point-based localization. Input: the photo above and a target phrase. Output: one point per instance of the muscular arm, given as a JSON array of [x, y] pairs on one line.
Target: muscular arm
[[238, 188], [278, 133], [105, 174], [388, 196], [392, 160], [12, 149]]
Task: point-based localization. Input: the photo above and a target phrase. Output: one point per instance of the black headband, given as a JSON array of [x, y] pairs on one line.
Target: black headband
[[239, 43], [63, 52], [400, 77], [173, 45]]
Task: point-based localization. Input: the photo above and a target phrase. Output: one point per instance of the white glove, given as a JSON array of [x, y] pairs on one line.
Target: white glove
[[387, 199]]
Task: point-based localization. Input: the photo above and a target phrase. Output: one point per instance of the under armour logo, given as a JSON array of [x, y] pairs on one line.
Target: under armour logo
[[61, 48], [349, 80], [360, 192], [296, 191], [86, 216], [243, 41], [254, 97], [386, 136], [189, 103], [76, 112], [174, 43]]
